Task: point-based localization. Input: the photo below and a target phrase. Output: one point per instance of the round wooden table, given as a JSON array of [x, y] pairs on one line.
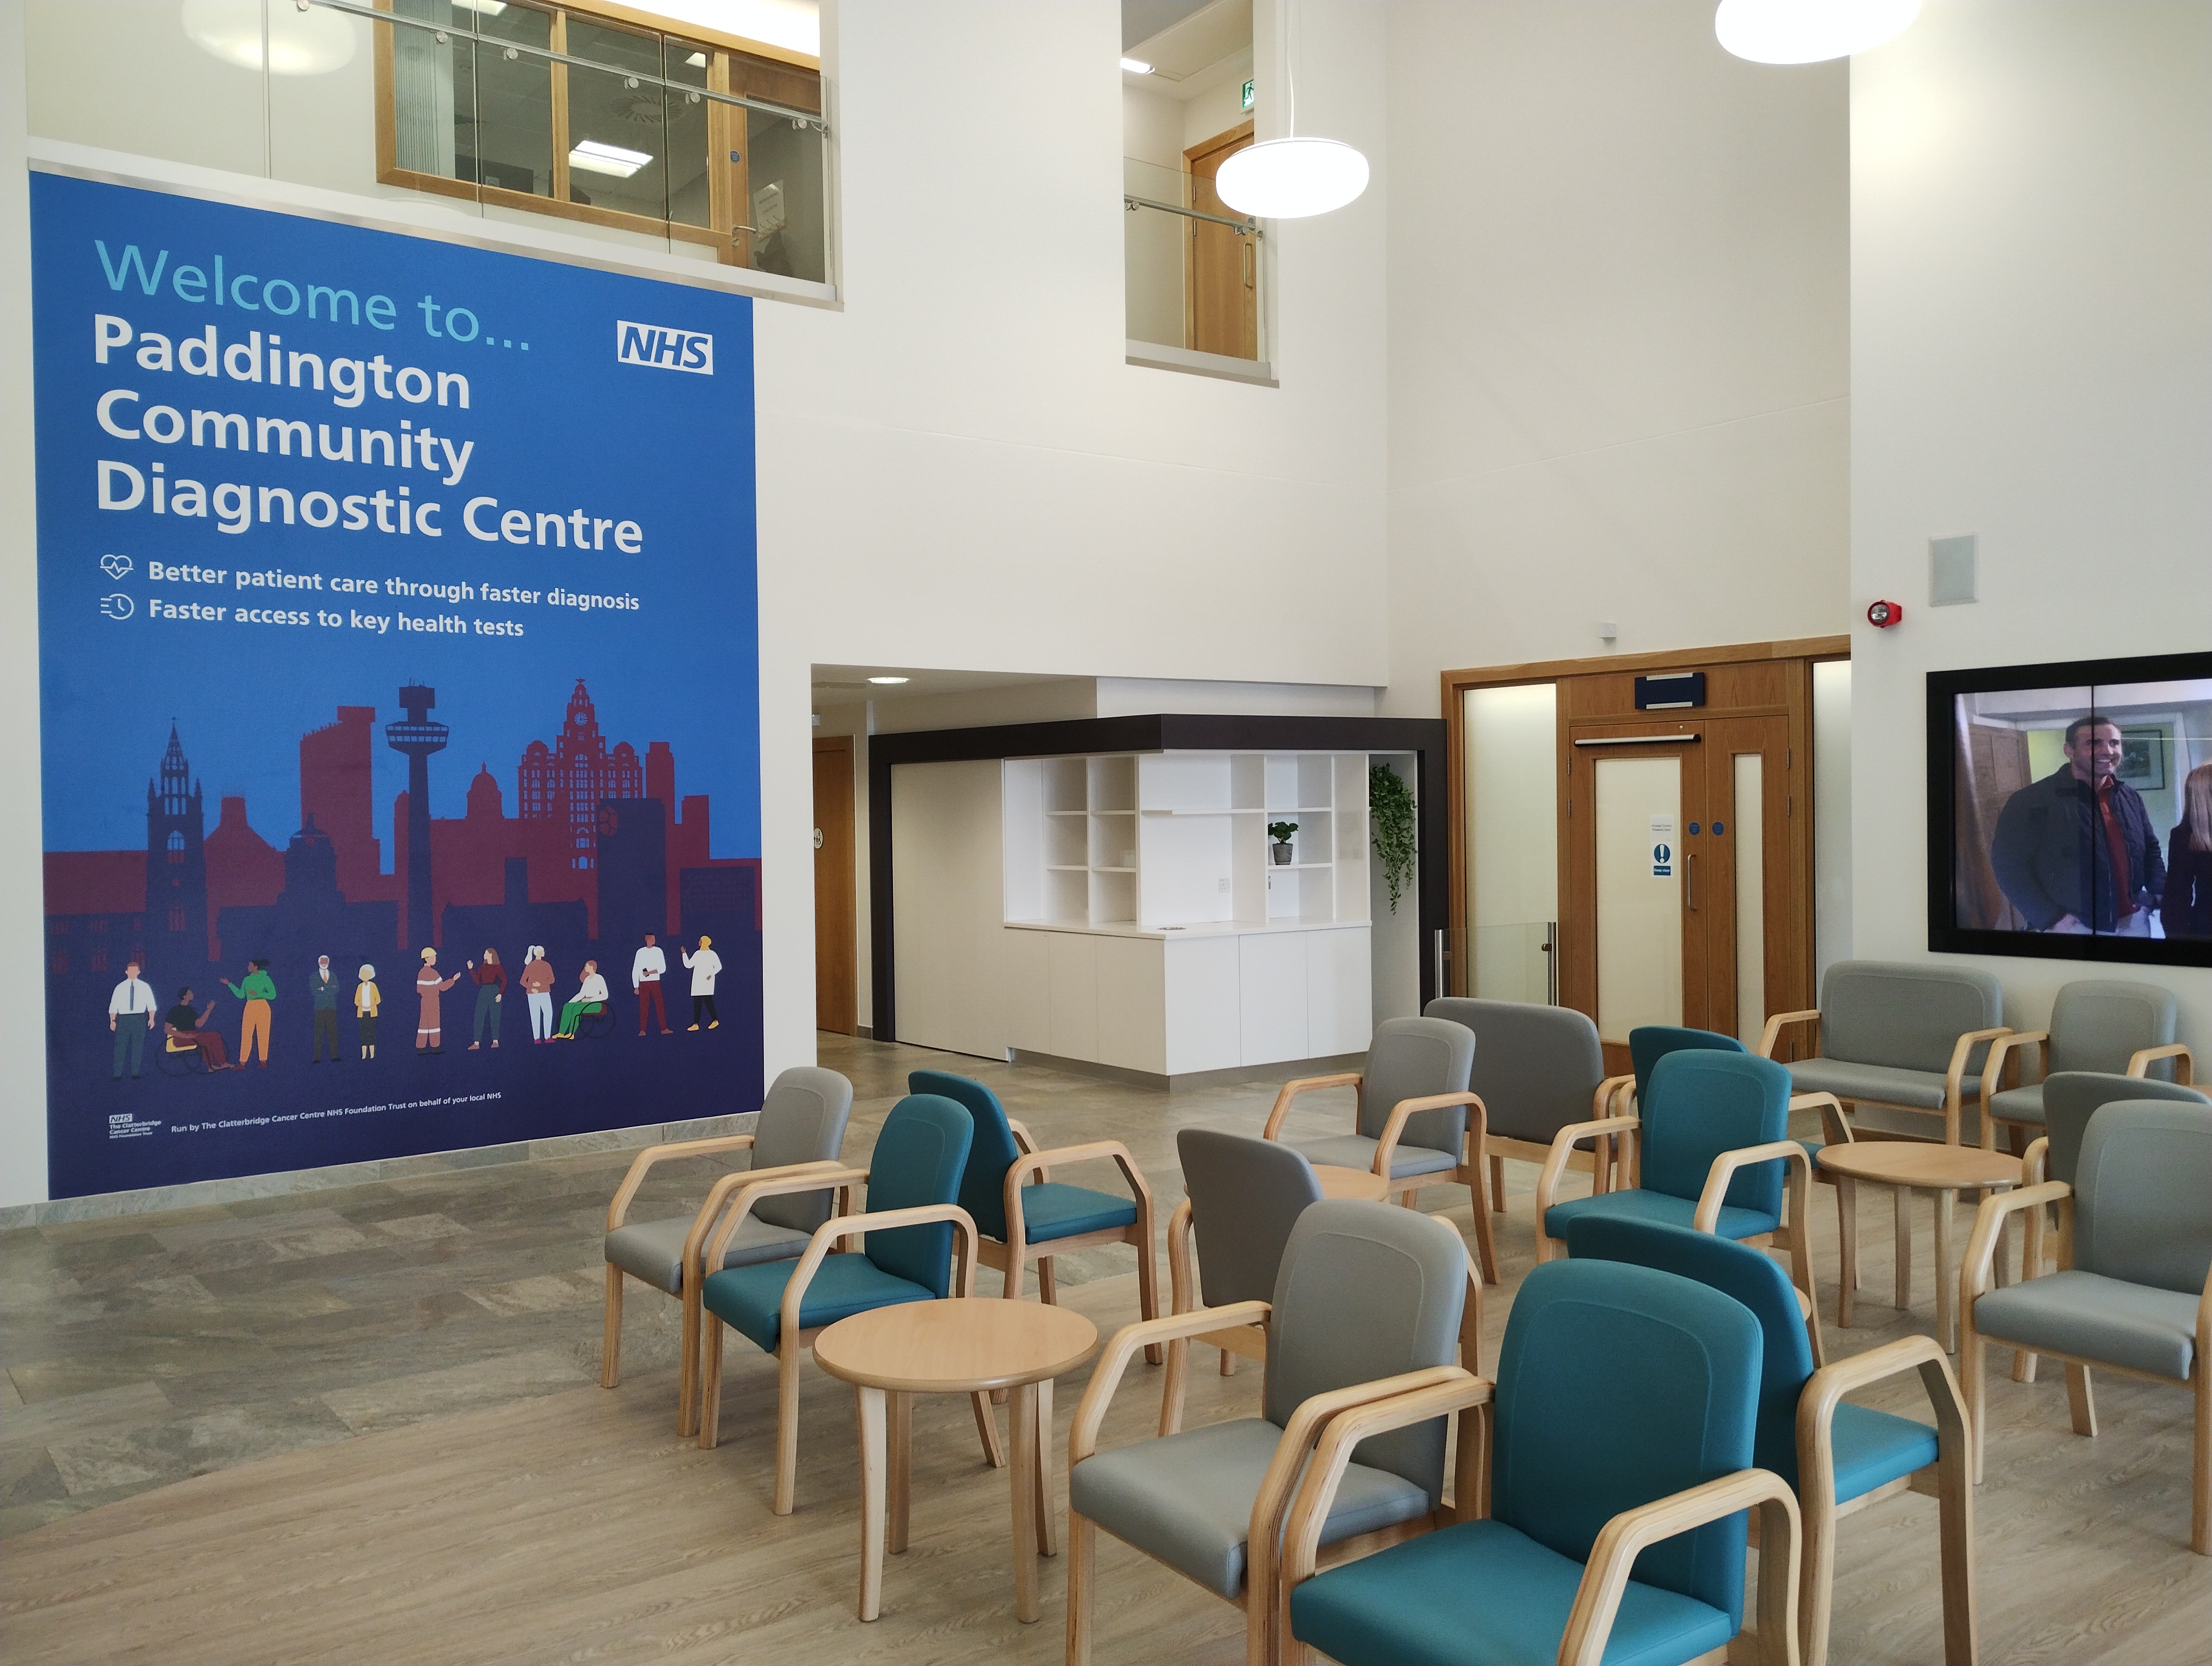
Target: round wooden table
[[1360, 1183], [1911, 1165], [960, 1345]]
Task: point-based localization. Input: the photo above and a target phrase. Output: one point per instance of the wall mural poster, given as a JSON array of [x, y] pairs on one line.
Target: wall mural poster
[[399, 694]]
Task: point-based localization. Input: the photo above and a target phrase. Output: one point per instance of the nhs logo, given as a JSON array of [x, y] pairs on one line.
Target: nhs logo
[[663, 349]]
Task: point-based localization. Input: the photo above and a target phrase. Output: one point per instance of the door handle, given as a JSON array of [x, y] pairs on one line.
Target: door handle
[[1690, 882]]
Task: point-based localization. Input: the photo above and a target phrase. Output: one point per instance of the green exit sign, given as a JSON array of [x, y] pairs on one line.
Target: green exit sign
[[1246, 96]]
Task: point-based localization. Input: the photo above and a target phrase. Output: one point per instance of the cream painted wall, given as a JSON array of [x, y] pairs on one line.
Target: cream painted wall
[[2032, 360], [1617, 335]]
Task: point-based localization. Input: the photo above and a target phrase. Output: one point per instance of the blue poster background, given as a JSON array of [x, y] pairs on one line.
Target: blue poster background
[[247, 550]]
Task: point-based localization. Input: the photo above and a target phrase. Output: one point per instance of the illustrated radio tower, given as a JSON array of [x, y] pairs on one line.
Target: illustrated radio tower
[[419, 737]]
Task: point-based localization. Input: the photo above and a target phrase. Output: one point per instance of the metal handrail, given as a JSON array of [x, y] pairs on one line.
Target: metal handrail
[[1133, 204], [797, 118]]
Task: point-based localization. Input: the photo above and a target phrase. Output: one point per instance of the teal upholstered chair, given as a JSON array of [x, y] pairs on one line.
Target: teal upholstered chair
[[911, 1224], [1621, 1452], [801, 1124], [1417, 1122], [1025, 1216], [1839, 1458], [2133, 1292], [2103, 1024], [1648, 1043], [1712, 1153], [1368, 1301]]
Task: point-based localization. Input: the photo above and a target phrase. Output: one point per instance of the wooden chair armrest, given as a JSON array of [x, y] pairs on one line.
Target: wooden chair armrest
[[1025, 1142], [702, 1250], [1182, 1268], [1825, 1390], [625, 1193], [1121, 1346], [1961, 1050], [1613, 1088], [1098, 1151], [964, 1240], [1265, 1532], [2001, 1051], [1621, 1540], [1386, 1146], [1563, 1142], [1304, 1085], [2035, 1162], [1989, 1221], [1835, 1127], [1459, 1391], [1780, 1021], [2185, 1068], [1723, 1170]]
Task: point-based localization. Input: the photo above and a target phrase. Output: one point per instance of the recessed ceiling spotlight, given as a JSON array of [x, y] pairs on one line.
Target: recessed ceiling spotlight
[[1136, 66], [887, 679], [1810, 31]]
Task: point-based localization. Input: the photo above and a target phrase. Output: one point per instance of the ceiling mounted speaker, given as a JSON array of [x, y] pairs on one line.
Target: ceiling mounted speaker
[[1810, 31], [312, 42], [1291, 178]]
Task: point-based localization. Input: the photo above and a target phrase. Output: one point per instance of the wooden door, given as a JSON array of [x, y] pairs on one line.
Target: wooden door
[[1685, 854], [837, 982], [1221, 311]]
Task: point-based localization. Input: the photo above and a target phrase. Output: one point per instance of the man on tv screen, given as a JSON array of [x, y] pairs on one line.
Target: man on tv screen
[[2075, 852]]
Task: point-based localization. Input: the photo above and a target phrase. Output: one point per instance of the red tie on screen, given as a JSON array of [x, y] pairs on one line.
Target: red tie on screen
[[2116, 842]]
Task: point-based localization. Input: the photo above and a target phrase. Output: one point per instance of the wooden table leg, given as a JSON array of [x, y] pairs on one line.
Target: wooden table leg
[[1023, 1453], [1847, 1230], [873, 1465], [900, 1479], [1045, 1545], [1904, 1198], [1945, 1201]]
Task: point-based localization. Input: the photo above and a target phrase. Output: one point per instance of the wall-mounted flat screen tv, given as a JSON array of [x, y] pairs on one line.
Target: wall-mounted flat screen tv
[[2069, 810]]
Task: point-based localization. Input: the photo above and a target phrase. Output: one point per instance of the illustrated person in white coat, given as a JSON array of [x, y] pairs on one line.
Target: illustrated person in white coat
[[704, 964]]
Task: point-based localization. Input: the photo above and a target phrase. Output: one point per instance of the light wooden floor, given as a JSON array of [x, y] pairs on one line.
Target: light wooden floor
[[577, 1526]]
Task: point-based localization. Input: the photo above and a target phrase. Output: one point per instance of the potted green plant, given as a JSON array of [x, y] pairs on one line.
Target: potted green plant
[[1280, 833]]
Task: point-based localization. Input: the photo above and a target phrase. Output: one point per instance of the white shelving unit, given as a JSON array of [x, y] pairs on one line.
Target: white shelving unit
[[1150, 926]]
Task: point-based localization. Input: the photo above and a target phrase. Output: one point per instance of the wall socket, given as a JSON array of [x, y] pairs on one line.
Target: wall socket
[[1222, 885]]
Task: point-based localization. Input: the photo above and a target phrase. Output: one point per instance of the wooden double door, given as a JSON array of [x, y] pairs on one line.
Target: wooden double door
[[1686, 853]]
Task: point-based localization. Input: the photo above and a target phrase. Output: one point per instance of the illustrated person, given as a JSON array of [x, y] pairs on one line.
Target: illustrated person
[[256, 992], [2187, 899], [645, 974], [491, 992], [428, 1034], [2075, 852], [132, 996], [187, 1025], [323, 988], [537, 984], [591, 997], [366, 999], [704, 965]]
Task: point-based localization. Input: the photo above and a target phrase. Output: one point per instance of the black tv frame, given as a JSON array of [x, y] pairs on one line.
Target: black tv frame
[[1945, 935]]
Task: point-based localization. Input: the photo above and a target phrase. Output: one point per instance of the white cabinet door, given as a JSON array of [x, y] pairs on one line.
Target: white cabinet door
[[1028, 997], [1204, 1022], [1340, 993], [1271, 977], [1132, 997], [1072, 980]]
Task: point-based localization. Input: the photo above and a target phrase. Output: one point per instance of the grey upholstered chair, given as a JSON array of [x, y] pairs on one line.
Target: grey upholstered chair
[[802, 1121], [2133, 1289], [1240, 1198], [2115, 1028], [1418, 1124], [1537, 1068], [1904, 1040], [1369, 1302]]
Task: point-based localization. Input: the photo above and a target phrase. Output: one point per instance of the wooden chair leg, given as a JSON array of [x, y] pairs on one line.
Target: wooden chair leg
[[1497, 1185], [1971, 1390], [786, 1425], [1082, 1555], [1955, 1496], [1847, 1236], [2200, 1504], [1148, 1283], [1816, 1584], [1044, 1533], [2031, 1267], [2080, 1403], [1047, 1291], [709, 1409], [986, 1427], [1486, 1243], [611, 1349]]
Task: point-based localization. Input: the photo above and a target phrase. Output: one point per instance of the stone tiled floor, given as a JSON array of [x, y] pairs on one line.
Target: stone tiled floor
[[142, 1350]]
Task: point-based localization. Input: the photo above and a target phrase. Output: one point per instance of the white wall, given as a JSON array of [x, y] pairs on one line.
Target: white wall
[[2031, 360], [1617, 335]]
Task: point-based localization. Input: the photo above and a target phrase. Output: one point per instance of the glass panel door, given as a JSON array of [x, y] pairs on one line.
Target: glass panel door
[[1640, 893], [1512, 830]]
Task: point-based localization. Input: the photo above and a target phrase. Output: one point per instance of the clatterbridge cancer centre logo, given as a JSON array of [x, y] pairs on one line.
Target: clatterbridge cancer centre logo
[[661, 348]]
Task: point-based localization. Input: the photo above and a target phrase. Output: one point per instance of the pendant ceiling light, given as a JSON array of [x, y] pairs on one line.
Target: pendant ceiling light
[[1290, 178], [1810, 31]]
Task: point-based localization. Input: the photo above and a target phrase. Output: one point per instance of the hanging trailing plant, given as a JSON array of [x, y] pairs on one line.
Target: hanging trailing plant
[[1390, 806]]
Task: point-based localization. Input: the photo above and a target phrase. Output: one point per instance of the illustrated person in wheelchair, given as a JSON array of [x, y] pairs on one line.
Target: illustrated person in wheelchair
[[184, 1039], [591, 1000]]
